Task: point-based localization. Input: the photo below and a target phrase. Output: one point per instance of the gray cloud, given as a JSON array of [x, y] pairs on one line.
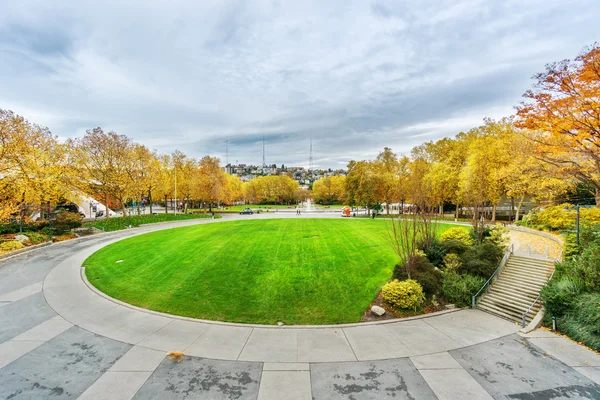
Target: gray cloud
[[353, 76]]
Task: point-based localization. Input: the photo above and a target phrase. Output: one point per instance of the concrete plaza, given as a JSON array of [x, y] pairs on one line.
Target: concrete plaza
[[59, 338]]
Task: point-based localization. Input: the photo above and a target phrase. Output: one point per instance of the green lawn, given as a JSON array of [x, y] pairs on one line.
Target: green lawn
[[306, 271], [118, 223]]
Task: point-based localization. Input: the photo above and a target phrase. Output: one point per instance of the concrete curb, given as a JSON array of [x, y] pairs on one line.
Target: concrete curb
[[240, 325]]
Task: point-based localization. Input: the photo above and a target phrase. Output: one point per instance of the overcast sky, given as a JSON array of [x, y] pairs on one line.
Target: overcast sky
[[354, 75]]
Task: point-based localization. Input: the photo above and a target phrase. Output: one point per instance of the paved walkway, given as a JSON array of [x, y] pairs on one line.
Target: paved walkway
[[59, 338]]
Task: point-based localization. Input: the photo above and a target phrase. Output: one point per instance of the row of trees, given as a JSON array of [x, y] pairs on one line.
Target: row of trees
[[551, 145]]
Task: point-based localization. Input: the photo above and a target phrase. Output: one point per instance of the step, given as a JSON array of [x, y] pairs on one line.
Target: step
[[532, 259], [513, 317], [537, 267], [530, 264], [509, 305], [506, 284], [516, 315], [537, 280], [529, 268], [513, 293], [527, 273], [521, 280], [500, 297]]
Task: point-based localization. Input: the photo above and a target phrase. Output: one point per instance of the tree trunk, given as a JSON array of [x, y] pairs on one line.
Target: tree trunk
[[166, 205], [456, 215], [107, 214], [518, 215], [139, 206], [597, 196], [494, 213], [512, 208], [441, 210], [150, 200]]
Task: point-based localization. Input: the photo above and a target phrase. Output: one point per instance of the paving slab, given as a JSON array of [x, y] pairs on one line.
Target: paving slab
[[512, 367], [318, 345], [375, 342], [469, 327], [454, 384], [285, 385], [591, 372], [422, 338], [46, 330], [386, 379], [139, 359], [567, 351], [116, 386], [23, 315], [178, 335], [220, 342], [271, 345], [198, 378], [435, 361], [22, 292], [12, 350], [286, 366], [62, 368]]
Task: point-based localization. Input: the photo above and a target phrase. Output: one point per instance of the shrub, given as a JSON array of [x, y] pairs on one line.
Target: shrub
[[482, 260], [36, 237], [422, 271], [454, 246], [582, 324], [452, 262], [403, 294], [12, 245], [560, 294], [561, 217], [586, 267], [498, 235], [459, 289], [460, 234], [435, 252], [65, 221]]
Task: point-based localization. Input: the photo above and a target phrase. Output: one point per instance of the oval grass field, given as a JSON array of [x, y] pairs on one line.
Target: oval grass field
[[298, 271]]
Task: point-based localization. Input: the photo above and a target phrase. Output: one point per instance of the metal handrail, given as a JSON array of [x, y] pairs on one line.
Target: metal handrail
[[524, 316], [500, 266]]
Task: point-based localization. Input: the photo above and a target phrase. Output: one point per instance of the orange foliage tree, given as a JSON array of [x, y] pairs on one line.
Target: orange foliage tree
[[562, 115]]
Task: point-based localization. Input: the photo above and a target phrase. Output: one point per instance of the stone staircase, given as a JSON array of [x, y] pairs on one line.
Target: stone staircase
[[516, 288]]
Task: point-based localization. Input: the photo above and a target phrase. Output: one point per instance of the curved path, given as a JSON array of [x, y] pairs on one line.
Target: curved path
[[61, 338]]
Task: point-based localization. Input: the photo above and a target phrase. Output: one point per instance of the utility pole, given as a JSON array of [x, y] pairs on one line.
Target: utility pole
[[310, 157], [264, 164], [227, 152]]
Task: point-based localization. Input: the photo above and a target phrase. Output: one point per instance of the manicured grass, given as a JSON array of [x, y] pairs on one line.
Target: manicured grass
[[118, 223], [306, 271]]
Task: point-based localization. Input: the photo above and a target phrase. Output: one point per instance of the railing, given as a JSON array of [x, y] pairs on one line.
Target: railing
[[496, 273], [524, 316]]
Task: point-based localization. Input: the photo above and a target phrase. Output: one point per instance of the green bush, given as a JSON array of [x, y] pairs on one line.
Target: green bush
[[583, 322], [422, 271], [560, 294], [453, 246], [36, 237], [406, 294], [498, 235], [482, 260], [459, 289], [452, 262], [586, 267], [435, 252], [460, 234], [65, 221], [12, 245], [118, 223]]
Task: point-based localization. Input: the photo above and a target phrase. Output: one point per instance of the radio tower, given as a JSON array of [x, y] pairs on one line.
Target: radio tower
[[264, 162], [310, 158]]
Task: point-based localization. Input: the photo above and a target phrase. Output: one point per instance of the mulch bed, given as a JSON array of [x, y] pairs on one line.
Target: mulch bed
[[390, 313]]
